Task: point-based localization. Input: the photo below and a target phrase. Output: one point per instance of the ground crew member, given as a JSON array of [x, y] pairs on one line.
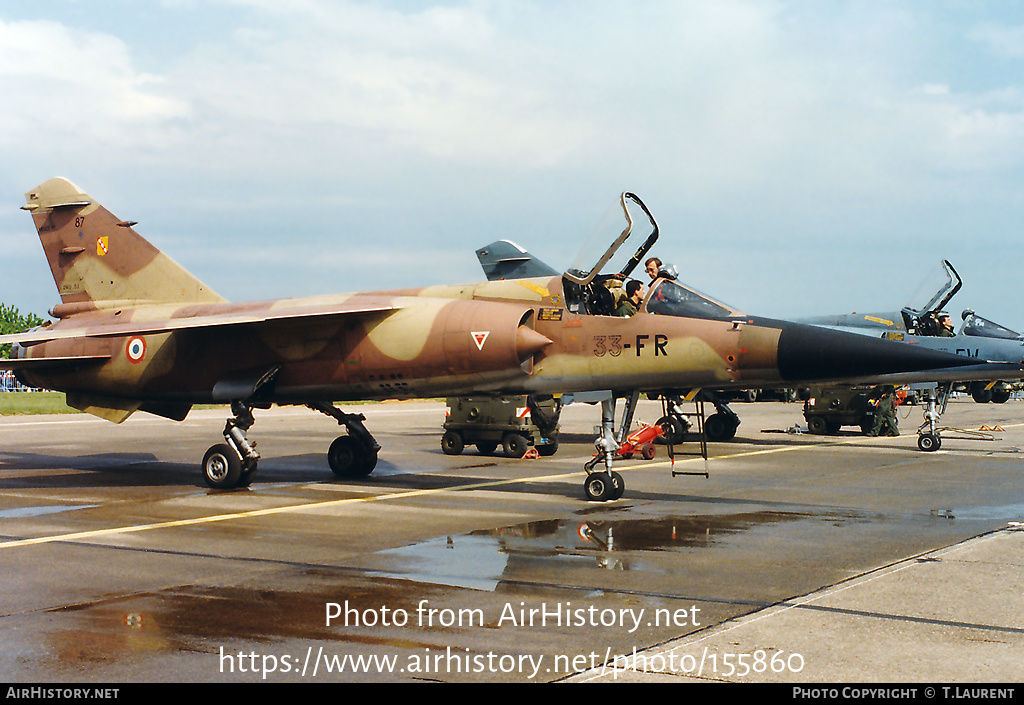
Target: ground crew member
[[652, 265], [885, 414]]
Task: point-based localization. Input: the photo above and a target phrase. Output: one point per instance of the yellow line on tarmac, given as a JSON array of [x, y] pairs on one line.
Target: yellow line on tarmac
[[751, 453], [96, 533]]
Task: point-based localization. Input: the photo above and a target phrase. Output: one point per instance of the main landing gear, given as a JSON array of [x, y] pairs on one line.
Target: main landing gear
[[721, 425], [354, 455], [233, 463]]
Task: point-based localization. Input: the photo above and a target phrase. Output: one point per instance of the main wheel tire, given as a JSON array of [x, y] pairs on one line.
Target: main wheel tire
[[222, 468], [341, 456], [719, 427], [349, 458], [248, 475], [929, 442], [675, 433], [515, 445], [452, 443], [367, 463], [548, 449], [598, 487]]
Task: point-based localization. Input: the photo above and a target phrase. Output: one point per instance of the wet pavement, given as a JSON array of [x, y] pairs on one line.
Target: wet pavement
[[121, 566]]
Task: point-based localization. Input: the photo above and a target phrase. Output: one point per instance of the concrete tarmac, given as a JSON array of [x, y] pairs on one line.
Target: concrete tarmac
[[797, 558], [951, 616]]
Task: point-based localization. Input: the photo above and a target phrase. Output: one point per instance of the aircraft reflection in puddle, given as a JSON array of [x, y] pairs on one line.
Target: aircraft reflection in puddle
[[485, 559]]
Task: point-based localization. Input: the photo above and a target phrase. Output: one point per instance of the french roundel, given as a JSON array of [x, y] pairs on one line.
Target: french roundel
[[135, 350]]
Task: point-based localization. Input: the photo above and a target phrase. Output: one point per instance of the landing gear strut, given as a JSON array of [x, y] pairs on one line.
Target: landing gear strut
[[232, 464], [928, 438], [608, 484], [354, 455]]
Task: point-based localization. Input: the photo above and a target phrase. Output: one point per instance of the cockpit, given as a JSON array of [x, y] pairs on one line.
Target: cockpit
[[928, 321], [598, 289]]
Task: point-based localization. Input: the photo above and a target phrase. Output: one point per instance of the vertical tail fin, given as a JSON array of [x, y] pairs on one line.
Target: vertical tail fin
[[95, 257]]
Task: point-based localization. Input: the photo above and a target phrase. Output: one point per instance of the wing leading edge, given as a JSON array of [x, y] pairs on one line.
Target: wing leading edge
[[106, 328]]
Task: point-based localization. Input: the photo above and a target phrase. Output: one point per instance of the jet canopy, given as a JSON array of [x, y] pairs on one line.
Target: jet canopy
[[594, 284], [640, 224], [925, 321]]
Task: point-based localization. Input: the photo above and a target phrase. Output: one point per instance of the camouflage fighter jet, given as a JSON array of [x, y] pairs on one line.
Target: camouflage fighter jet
[[135, 332]]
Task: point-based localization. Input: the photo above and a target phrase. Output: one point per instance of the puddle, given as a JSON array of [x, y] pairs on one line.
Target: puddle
[[1009, 512], [201, 620], [24, 512], [616, 539], [475, 562], [672, 557]]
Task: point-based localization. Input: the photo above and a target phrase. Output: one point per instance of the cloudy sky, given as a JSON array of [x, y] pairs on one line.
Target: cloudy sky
[[801, 157]]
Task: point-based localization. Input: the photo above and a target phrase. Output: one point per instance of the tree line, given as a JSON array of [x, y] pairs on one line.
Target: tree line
[[11, 321]]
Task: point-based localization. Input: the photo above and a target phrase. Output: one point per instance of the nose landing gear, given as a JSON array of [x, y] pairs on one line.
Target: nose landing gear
[[928, 438]]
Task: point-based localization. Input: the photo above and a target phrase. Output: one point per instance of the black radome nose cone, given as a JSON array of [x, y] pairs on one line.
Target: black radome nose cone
[[813, 353]]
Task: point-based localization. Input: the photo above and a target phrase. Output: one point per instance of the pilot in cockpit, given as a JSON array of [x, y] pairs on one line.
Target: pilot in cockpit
[[945, 325], [630, 303]]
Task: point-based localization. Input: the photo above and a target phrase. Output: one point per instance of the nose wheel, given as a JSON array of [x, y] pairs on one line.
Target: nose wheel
[[222, 468], [603, 486], [928, 438]]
